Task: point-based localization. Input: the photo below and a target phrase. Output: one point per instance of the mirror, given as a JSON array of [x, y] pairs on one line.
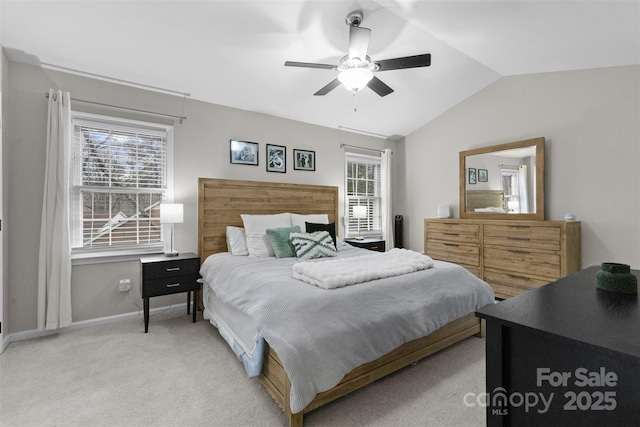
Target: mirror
[[503, 181]]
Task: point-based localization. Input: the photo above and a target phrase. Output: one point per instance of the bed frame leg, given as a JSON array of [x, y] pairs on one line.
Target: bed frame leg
[[295, 420], [483, 329]]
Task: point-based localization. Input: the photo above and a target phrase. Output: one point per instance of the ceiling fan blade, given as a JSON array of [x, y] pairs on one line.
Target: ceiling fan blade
[[328, 88], [379, 87], [309, 65], [358, 42], [415, 61]]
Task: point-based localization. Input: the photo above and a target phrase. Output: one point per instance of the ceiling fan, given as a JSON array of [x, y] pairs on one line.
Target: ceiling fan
[[356, 69]]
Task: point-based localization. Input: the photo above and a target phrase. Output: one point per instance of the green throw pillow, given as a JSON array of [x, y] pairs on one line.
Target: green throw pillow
[[280, 241]]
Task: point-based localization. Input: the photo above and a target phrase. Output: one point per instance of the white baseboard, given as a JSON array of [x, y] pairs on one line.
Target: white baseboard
[[5, 342], [35, 333]]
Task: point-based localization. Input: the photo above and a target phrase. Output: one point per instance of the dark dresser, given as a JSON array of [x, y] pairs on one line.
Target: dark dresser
[[368, 243], [564, 354]]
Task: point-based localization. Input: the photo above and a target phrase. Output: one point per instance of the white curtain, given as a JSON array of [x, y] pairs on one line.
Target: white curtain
[[387, 211], [54, 267], [523, 188]]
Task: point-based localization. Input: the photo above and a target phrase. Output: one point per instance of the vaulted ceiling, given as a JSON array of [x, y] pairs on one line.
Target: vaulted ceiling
[[233, 52]]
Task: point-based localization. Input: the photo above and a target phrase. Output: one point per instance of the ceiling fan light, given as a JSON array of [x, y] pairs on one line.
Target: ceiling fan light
[[355, 78]]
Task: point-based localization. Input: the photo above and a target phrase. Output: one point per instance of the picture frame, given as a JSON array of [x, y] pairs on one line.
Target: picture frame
[[483, 175], [304, 160], [276, 158], [472, 175], [243, 152]]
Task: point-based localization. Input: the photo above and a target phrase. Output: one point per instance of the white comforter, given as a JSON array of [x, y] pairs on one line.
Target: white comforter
[[320, 335], [335, 273]]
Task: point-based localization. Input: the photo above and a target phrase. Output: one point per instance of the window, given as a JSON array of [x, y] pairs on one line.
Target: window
[[120, 175], [363, 189], [510, 187]]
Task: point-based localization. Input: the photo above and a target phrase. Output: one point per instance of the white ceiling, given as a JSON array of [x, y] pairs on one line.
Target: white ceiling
[[233, 52]]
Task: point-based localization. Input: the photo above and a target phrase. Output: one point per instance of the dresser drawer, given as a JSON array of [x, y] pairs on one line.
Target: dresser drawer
[[523, 262], [172, 268], [462, 233], [507, 285], [454, 252], [169, 285], [474, 270], [522, 236]]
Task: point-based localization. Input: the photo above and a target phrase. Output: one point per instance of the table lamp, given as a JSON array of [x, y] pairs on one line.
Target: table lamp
[[359, 212], [171, 213]]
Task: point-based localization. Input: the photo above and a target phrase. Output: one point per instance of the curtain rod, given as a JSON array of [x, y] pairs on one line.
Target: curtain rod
[[363, 132], [181, 118], [112, 79], [362, 148]]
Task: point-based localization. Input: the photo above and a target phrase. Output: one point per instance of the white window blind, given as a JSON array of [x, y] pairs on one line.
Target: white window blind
[[363, 189], [119, 178]]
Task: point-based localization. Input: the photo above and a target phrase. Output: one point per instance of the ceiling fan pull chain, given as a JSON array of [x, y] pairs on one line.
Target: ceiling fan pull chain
[[355, 104]]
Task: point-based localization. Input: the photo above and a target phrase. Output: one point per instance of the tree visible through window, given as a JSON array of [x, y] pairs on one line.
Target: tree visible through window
[[363, 189], [119, 178]]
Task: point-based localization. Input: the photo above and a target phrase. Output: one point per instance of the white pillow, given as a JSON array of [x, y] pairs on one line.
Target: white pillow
[[237, 241], [255, 227], [300, 220]]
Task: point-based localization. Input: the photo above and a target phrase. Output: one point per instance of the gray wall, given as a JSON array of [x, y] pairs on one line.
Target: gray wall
[[4, 84], [591, 122], [201, 150]]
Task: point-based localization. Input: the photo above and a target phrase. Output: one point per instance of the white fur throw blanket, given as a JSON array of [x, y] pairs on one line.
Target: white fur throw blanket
[[349, 271]]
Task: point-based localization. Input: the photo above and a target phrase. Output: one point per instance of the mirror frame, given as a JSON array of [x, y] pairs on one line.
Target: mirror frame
[[539, 214]]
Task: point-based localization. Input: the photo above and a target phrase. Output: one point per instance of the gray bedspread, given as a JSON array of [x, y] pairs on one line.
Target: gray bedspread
[[322, 334]]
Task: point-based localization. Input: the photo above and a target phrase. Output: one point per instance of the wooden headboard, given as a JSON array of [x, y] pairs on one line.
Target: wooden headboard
[[221, 201], [484, 199]]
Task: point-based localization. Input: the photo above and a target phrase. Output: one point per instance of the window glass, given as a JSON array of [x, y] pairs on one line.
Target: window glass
[[363, 189], [120, 175]]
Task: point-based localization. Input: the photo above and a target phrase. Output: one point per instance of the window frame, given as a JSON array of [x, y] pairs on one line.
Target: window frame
[[512, 172], [366, 227], [117, 252]]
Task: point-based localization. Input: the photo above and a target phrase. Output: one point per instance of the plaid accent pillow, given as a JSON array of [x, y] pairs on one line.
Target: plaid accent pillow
[[313, 245]]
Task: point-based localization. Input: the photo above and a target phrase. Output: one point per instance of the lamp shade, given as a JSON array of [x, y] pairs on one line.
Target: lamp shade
[[355, 78], [359, 212], [171, 213]]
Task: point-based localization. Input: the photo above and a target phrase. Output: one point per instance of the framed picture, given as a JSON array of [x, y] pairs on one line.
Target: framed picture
[[304, 160], [276, 158], [483, 175], [472, 175], [244, 152]]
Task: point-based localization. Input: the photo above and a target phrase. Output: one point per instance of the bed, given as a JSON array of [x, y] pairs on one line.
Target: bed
[[485, 201], [220, 204]]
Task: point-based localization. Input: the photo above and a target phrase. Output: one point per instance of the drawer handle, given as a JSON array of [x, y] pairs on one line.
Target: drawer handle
[[173, 285], [173, 269], [518, 238], [374, 247], [519, 252], [451, 244], [513, 276], [450, 234]]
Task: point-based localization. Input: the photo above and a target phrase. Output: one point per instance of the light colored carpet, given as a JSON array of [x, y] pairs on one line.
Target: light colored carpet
[[182, 373]]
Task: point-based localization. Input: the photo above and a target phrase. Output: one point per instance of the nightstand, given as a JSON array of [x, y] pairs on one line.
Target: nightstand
[[162, 275], [368, 243]]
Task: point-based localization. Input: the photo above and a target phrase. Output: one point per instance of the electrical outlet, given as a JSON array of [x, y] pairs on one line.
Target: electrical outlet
[[125, 285]]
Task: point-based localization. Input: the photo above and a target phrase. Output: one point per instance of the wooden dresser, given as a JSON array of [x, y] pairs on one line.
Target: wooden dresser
[[512, 256]]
